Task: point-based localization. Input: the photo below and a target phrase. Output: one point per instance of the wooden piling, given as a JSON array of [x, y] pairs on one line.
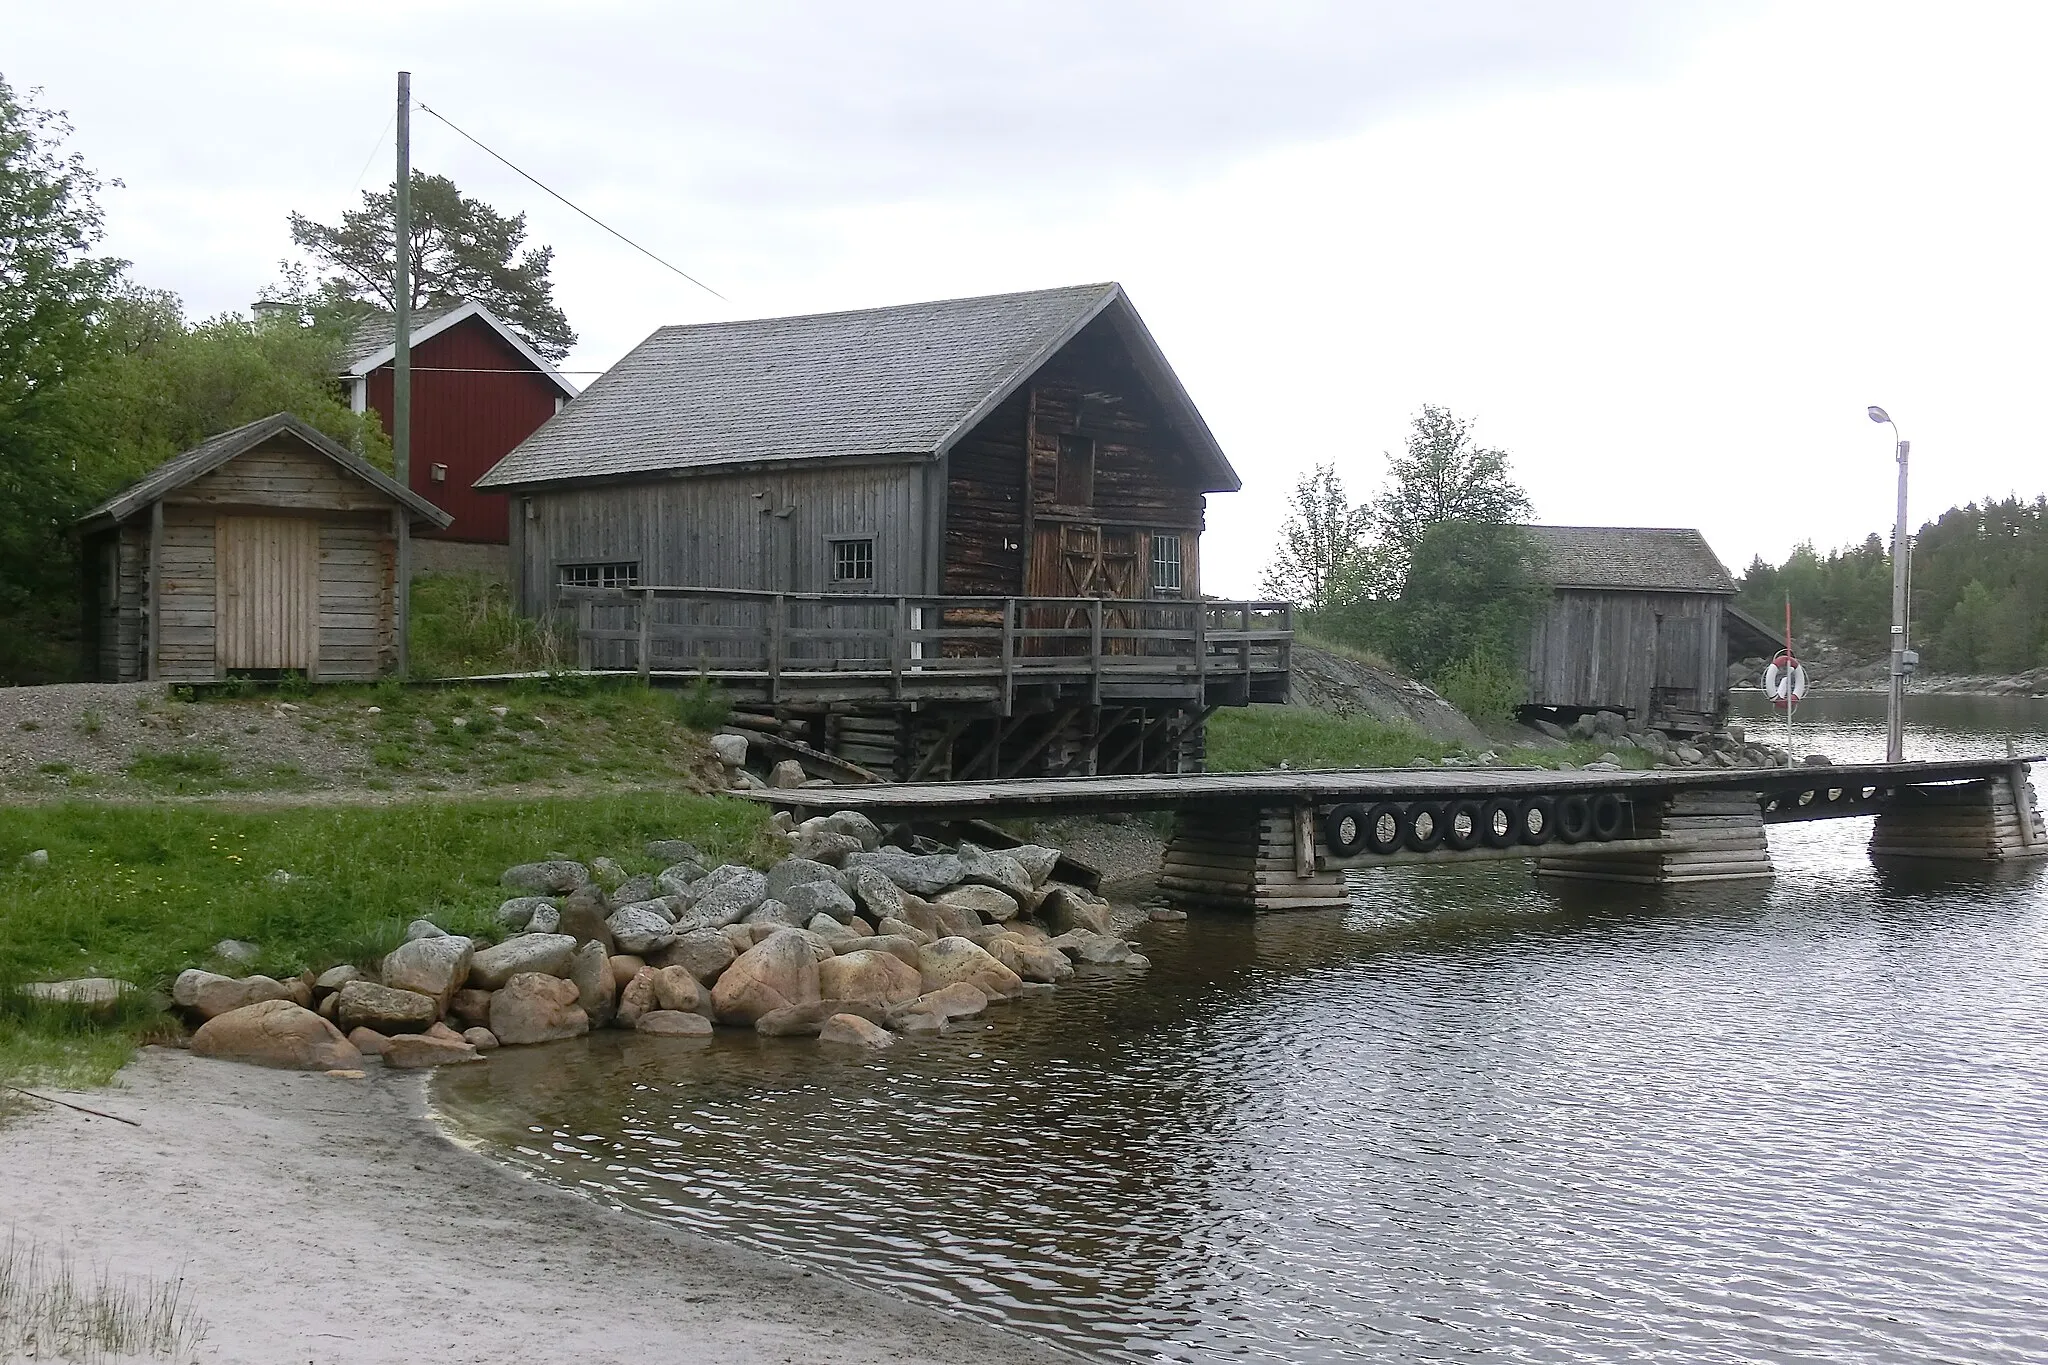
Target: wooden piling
[[1723, 841], [1997, 819], [1246, 858]]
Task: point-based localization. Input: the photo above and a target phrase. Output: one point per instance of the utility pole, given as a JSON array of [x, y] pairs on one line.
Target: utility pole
[[401, 360], [1895, 708]]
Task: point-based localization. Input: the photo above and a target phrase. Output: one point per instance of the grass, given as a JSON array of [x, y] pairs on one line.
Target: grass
[[464, 624], [1249, 739], [143, 892], [51, 1309]]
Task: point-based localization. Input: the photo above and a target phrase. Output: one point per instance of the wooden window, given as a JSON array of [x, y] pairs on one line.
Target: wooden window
[[1075, 486], [853, 561], [1165, 564], [619, 574]]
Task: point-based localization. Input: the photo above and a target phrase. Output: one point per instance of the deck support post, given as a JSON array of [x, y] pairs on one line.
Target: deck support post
[[1724, 834], [1248, 858], [1995, 820]]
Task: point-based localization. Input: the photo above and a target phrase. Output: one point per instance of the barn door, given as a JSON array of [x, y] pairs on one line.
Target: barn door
[[267, 594], [1677, 681], [1069, 560]]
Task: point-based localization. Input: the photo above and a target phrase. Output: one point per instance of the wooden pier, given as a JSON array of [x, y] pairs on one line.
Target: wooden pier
[[1285, 840]]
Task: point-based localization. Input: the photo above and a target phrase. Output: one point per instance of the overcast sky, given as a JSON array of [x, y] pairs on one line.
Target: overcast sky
[[1664, 254]]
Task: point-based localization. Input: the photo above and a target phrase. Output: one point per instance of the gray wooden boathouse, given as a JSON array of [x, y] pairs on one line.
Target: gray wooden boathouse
[[956, 538], [1641, 621]]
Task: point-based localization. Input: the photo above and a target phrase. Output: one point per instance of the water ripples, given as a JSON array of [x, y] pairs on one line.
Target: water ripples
[[1471, 1116]]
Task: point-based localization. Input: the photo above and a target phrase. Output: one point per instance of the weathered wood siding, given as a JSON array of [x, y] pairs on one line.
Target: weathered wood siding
[[281, 473], [118, 561], [769, 531], [1014, 526], [186, 624], [358, 585], [266, 600], [1647, 653]]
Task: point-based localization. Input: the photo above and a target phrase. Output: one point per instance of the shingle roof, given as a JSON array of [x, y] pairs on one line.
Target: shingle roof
[[1665, 559], [379, 331], [905, 380], [216, 451], [376, 337]]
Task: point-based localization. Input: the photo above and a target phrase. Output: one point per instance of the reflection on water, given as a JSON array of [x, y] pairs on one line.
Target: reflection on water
[[1471, 1114]]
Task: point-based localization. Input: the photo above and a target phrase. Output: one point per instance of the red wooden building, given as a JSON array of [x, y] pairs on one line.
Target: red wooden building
[[478, 389]]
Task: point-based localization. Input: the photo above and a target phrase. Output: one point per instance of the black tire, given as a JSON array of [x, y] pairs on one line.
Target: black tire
[[1609, 816], [1344, 830], [1574, 818], [1384, 828], [1497, 822], [1425, 826], [1536, 821], [1461, 825]]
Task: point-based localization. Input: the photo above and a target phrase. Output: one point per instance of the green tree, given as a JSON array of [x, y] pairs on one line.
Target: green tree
[[1323, 559], [54, 292], [462, 248], [1472, 592], [1441, 476]]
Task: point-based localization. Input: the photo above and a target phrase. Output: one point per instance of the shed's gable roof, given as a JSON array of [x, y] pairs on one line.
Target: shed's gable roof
[[374, 342], [216, 451], [1639, 558], [907, 380]]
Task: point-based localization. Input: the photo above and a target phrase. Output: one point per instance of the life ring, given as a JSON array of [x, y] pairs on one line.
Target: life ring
[[1785, 681]]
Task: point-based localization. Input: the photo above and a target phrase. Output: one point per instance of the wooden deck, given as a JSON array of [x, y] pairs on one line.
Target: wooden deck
[[1053, 797]]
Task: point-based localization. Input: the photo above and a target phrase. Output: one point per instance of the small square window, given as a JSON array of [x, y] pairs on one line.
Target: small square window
[[614, 575], [1165, 565], [853, 561]]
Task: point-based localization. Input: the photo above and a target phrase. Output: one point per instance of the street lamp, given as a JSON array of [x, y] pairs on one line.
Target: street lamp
[[1895, 709]]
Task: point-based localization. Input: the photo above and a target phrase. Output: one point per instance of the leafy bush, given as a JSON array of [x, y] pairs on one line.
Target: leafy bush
[[1483, 687], [703, 705]]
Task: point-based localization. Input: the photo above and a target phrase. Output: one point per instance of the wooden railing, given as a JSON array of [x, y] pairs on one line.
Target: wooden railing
[[907, 646]]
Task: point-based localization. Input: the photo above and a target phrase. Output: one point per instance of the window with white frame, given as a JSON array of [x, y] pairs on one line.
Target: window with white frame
[[853, 561], [617, 574], [1165, 565]]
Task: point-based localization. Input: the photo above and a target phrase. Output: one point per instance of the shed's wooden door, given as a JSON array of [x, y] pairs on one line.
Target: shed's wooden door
[[1078, 560], [267, 593]]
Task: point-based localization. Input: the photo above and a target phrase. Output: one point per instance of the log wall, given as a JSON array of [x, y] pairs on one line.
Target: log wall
[[1992, 821], [1244, 859], [1723, 832]]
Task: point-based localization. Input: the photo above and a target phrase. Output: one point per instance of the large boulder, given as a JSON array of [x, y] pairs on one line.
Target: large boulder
[[820, 898], [896, 945], [878, 897], [633, 890], [1001, 871], [518, 912], [676, 990], [823, 846], [470, 1006], [1037, 860], [534, 1007], [674, 1024], [1101, 950], [788, 774], [731, 750], [896, 928], [606, 872], [1067, 908], [774, 974], [555, 877], [636, 997], [640, 929], [426, 1049], [725, 895], [436, 967], [794, 872], [386, 1009], [547, 954], [851, 1030], [961, 1000], [704, 952], [989, 902], [1031, 961], [276, 1033], [877, 978], [209, 995], [679, 880], [775, 914], [671, 850], [956, 921], [794, 1021], [850, 823], [918, 873], [590, 971], [953, 960]]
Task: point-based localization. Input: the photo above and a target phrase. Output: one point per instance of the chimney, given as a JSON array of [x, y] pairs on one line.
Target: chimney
[[274, 310]]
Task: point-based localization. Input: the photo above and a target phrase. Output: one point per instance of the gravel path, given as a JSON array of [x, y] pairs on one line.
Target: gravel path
[[317, 1219]]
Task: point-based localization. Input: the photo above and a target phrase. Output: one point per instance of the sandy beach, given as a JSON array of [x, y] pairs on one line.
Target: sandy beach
[[317, 1219]]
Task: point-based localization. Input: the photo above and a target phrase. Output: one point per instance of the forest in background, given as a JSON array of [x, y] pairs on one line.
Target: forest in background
[[1979, 599]]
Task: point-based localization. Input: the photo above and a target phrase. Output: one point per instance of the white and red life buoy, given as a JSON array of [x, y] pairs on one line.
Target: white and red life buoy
[[1785, 681]]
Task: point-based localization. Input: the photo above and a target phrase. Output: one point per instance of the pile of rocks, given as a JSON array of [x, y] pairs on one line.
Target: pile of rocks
[[843, 940], [1729, 748]]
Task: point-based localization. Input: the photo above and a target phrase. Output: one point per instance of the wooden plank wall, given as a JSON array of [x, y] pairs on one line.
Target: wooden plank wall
[[118, 629], [358, 579], [711, 530], [1599, 649], [267, 593], [281, 473], [185, 598]]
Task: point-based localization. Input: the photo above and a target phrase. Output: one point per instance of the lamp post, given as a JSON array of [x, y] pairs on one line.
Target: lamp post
[[1895, 710]]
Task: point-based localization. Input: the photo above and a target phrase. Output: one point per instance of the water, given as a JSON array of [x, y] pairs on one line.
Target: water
[[1473, 1115]]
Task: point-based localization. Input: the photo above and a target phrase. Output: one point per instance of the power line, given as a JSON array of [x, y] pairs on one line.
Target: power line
[[592, 217], [373, 152]]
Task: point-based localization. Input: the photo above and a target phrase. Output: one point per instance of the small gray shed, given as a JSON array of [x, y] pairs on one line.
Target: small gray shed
[[1641, 622], [266, 549]]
